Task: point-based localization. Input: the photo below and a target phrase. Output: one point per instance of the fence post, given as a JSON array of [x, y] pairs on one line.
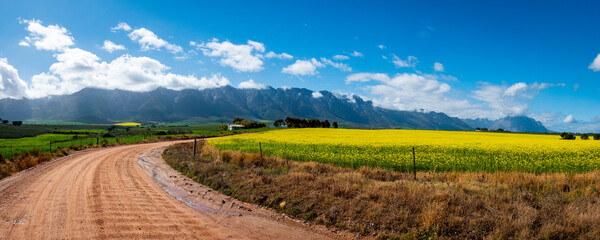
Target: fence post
[[414, 165], [202, 143], [50, 146], [97, 141], [260, 148], [194, 148]]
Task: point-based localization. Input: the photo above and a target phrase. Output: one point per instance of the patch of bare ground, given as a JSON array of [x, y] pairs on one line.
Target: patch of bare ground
[[389, 205]]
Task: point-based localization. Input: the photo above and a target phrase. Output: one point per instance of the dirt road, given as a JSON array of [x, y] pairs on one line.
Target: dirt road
[[128, 192]]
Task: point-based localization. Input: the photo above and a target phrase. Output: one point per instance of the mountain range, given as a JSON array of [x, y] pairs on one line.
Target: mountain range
[[223, 104]]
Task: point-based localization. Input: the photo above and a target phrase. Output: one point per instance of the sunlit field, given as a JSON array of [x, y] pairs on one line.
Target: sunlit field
[[128, 124], [434, 150]]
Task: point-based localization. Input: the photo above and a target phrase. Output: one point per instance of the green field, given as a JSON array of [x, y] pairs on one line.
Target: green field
[[46, 138]]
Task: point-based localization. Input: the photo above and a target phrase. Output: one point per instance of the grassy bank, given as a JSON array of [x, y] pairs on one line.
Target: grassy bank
[[389, 204]]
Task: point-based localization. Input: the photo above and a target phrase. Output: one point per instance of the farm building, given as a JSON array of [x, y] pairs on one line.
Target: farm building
[[235, 127]]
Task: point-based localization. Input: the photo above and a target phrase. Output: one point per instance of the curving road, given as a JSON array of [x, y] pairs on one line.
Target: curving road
[[128, 192]]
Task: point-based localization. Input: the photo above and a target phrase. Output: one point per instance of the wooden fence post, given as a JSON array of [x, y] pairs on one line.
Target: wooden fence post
[[260, 148], [50, 146], [414, 165], [194, 148]]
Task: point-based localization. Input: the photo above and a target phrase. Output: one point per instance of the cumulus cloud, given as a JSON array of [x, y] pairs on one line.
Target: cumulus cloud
[[438, 67], [409, 91], [111, 47], [569, 119], [76, 69], [317, 95], [149, 41], [341, 57], [365, 77], [341, 66], [303, 67], [250, 84], [356, 54], [51, 37], [508, 100], [411, 61], [241, 57], [595, 66], [271, 54], [381, 46], [11, 85], [121, 26]]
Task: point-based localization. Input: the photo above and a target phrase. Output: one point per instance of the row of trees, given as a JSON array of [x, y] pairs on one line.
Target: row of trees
[[491, 130], [248, 124], [14, 123], [292, 122], [571, 136]]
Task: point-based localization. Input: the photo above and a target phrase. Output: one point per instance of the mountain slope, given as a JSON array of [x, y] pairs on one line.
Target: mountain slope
[[220, 104], [513, 124]]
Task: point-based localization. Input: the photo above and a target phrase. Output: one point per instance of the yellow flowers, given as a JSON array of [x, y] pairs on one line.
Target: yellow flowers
[[436, 150], [128, 124]]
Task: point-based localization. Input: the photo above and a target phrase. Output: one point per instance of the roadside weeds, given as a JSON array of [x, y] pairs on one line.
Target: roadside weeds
[[391, 205]]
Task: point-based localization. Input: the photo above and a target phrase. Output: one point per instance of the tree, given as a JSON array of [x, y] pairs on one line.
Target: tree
[[5, 121], [278, 123], [325, 124], [335, 125], [17, 123], [238, 120], [596, 136], [584, 137], [223, 127], [567, 136]]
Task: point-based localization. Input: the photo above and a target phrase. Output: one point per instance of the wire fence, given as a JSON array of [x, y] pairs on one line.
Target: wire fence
[[9, 150]]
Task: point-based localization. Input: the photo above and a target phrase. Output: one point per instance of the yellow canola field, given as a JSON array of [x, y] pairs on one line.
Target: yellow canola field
[[128, 124], [435, 150]]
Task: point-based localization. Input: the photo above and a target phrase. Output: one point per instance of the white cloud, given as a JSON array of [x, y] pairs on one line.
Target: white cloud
[[438, 67], [595, 66], [271, 54], [342, 66], [381, 46], [356, 54], [317, 95], [111, 47], [411, 61], [76, 69], [508, 100], [121, 26], [250, 84], [341, 57], [303, 67], [569, 119], [51, 38], [365, 77], [242, 57], [409, 91], [193, 44], [11, 85], [149, 41]]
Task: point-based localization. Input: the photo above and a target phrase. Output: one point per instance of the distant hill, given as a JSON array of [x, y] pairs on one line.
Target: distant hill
[[513, 124], [220, 104]]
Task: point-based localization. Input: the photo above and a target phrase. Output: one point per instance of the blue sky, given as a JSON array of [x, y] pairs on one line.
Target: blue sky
[[494, 59]]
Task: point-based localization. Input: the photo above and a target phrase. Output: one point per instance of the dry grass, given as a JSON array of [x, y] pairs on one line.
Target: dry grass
[[390, 205]]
